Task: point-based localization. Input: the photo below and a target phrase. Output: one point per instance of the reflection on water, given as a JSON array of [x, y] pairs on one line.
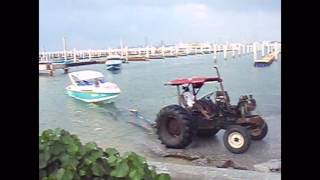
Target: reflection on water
[[115, 71]]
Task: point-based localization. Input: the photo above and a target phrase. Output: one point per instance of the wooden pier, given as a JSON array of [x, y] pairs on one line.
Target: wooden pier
[[137, 58], [48, 61], [84, 63], [160, 52], [49, 68], [181, 49]]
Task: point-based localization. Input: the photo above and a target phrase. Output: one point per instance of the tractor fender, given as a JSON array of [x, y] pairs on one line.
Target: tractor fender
[[253, 120]]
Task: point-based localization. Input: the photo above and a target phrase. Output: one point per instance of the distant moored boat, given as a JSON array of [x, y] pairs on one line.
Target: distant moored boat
[[114, 64]]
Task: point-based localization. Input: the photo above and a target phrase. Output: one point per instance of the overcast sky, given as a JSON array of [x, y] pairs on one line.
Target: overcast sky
[[103, 23]]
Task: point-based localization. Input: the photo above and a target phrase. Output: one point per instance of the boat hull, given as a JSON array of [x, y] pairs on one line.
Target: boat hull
[[120, 59], [62, 62], [92, 96], [113, 64], [170, 56], [156, 57], [137, 58], [113, 67], [257, 64]]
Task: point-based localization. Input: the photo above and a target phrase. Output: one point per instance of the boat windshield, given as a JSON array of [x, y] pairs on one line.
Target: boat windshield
[[90, 82]]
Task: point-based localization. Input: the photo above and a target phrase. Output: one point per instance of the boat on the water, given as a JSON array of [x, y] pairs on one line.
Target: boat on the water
[[68, 61], [51, 61], [91, 86], [113, 64], [268, 59], [182, 53], [170, 55], [115, 57], [156, 56], [137, 58], [261, 65]]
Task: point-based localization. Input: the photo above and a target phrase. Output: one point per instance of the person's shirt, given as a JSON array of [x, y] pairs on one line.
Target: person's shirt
[[96, 83], [188, 96]]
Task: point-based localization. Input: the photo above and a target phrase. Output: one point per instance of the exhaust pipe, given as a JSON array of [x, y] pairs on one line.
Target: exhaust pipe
[[220, 82], [221, 85]]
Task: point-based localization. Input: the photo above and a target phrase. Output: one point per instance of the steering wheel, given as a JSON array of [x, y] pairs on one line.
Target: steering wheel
[[207, 96]]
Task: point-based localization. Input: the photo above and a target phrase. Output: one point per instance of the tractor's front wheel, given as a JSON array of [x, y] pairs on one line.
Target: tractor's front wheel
[[237, 139], [174, 126]]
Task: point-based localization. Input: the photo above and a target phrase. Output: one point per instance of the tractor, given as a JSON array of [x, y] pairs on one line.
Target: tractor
[[177, 124]]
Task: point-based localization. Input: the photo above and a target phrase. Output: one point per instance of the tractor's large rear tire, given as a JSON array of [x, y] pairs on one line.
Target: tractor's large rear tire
[[237, 139], [207, 132], [174, 126]]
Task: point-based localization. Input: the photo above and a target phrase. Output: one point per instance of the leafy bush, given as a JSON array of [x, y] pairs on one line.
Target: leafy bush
[[63, 157]]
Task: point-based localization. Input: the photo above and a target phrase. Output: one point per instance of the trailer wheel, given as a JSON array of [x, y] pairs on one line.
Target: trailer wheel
[[174, 126], [207, 132], [237, 139], [259, 133]]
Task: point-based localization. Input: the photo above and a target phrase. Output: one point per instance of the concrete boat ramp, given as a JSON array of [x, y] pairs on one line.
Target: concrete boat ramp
[[189, 172]]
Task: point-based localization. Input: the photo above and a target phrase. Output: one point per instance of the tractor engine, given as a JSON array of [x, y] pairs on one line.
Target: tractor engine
[[246, 105]]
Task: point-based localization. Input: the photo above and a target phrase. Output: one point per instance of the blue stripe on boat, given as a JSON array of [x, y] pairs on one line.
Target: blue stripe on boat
[[91, 96]]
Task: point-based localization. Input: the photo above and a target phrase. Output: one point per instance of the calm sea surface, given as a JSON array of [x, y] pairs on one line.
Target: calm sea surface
[[142, 85]]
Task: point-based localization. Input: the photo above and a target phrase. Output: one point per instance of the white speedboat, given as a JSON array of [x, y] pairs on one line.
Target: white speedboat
[[114, 57], [113, 64], [91, 86]]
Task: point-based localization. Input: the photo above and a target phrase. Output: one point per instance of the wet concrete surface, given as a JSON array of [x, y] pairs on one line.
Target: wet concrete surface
[[187, 172], [212, 152]]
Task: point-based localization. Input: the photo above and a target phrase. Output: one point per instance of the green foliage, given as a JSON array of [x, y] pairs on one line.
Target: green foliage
[[63, 157]]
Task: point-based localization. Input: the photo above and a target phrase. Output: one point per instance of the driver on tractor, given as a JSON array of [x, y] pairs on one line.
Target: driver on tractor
[[188, 100], [187, 97]]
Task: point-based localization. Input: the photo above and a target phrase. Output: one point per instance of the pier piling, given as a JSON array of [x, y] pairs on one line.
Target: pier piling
[[254, 50], [90, 55], [64, 48], [233, 50], [215, 51], [225, 51], [74, 55], [243, 49]]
